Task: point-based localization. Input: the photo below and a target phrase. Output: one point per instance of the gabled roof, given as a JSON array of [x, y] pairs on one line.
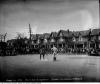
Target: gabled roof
[[46, 35], [12, 40], [75, 33], [82, 33], [85, 33], [54, 34], [66, 33], [33, 37], [95, 31], [39, 36]]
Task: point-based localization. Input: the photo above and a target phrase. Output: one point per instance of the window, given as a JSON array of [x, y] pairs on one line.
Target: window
[[99, 45], [85, 39], [25, 41], [51, 46], [32, 42], [74, 39], [38, 41], [61, 39], [80, 39], [8, 43], [60, 45], [52, 40], [52, 35], [36, 46], [60, 34], [99, 37], [11, 43], [94, 38], [45, 40]]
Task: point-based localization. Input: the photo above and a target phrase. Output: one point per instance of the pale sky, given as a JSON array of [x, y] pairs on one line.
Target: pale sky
[[47, 16]]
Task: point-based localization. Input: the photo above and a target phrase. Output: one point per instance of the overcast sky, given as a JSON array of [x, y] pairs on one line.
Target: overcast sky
[[47, 16]]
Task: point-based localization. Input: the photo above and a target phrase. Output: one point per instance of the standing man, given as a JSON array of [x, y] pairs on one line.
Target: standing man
[[54, 52], [42, 52]]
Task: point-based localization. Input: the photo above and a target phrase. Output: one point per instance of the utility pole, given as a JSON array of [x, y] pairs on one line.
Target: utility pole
[[30, 32]]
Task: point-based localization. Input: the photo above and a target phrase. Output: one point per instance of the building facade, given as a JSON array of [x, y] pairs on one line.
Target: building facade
[[66, 41], [70, 41]]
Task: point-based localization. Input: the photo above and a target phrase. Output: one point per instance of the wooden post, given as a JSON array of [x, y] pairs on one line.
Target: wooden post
[[95, 46], [83, 46], [62, 46], [74, 45]]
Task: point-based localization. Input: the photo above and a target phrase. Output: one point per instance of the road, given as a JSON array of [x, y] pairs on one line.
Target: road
[[67, 67]]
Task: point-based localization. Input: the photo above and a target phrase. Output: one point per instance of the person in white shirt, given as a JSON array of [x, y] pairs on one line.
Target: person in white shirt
[[54, 49]]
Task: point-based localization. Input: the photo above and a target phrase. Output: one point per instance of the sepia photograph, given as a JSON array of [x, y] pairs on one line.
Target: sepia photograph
[[49, 41]]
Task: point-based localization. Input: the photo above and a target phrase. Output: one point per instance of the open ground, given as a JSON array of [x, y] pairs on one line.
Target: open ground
[[66, 68]]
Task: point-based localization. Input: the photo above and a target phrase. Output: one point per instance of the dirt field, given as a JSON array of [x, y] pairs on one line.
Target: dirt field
[[66, 68]]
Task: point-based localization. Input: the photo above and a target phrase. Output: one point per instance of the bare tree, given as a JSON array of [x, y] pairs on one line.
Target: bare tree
[[3, 37], [20, 36]]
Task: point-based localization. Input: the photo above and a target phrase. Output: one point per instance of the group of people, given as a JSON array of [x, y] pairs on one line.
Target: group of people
[[43, 52]]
